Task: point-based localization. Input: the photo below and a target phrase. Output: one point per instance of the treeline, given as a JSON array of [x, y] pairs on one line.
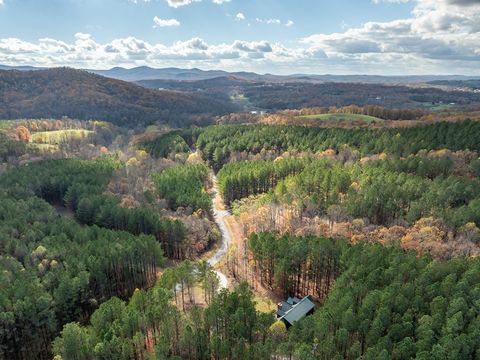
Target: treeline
[[370, 110], [242, 179], [149, 325], [217, 144], [184, 186], [163, 146], [296, 266]]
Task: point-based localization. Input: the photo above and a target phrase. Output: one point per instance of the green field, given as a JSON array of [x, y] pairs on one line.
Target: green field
[[343, 117], [59, 136], [45, 147]]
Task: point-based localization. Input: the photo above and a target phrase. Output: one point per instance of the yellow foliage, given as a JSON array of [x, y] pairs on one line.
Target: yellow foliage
[[329, 152], [425, 230], [278, 326], [141, 153], [471, 226], [355, 185], [132, 162]]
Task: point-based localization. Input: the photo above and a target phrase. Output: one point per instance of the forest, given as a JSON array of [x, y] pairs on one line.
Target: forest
[[220, 144], [10, 148], [301, 95], [109, 239], [382, 191], [382, 302], [296, 94], [184, 186]]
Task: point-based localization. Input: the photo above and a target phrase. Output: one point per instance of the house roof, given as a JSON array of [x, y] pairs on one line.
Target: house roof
[[298, 311]]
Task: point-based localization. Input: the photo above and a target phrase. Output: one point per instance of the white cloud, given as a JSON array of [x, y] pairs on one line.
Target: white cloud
[[273, 21], [391, 1], [240, 16], [165, 22], [439, 31], [2, 2], [179, 3], [85, 52]]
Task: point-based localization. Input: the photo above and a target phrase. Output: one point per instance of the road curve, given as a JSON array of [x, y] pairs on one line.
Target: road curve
[[219, 215]]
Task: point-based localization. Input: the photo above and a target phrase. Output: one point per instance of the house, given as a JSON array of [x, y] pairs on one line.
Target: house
[[295, 309]]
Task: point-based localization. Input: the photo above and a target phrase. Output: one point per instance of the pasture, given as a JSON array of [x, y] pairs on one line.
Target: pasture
[[342, 117]]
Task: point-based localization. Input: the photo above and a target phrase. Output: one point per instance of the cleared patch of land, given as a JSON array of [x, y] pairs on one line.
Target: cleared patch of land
[[342, 117], [59, 136], [45, 147]]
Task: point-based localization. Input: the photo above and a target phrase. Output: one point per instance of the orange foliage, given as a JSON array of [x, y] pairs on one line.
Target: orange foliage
[[23, 134]]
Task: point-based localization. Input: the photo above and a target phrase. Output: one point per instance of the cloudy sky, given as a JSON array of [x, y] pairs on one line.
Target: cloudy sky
[[275, 36]]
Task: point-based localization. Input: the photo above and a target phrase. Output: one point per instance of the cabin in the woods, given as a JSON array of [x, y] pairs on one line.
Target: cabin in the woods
[[295, 309]]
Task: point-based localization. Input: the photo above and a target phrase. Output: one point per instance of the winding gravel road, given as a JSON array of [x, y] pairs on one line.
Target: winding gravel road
[[219, 215]]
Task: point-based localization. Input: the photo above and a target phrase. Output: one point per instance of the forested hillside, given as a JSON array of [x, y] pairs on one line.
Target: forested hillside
[[296, 94], [78, 94], [300, 95]]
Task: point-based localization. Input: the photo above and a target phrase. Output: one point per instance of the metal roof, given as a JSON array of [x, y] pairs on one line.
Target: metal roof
[[298, 311]]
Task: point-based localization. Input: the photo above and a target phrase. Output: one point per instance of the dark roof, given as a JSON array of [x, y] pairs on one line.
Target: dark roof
[[283, 307], [293, 301], [297, 311]]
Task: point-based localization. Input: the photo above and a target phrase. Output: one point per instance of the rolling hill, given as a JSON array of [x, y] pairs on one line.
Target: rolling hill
[[79, 94]]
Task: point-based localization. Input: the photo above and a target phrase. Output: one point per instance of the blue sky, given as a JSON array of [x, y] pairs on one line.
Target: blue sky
[[110, 19], [277, 36]]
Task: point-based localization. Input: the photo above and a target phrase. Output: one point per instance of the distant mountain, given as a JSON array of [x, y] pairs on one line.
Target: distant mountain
[[79, 94], [218, 83], [471, 84], [391, 80], [147, 73], [20, 68], [177, 74]]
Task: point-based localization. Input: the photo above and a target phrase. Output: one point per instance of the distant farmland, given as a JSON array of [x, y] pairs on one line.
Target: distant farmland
[[58, 136], [343, 117]]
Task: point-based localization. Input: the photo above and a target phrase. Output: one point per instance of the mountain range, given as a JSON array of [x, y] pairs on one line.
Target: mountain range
[[178, 74]]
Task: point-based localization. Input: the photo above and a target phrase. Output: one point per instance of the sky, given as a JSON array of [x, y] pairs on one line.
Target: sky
[[382, 37]]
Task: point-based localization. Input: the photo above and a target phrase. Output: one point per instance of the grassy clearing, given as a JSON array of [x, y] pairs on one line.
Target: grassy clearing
[[59, 136], [265, 305], [343, 117], [45, 147], [436, 106]]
